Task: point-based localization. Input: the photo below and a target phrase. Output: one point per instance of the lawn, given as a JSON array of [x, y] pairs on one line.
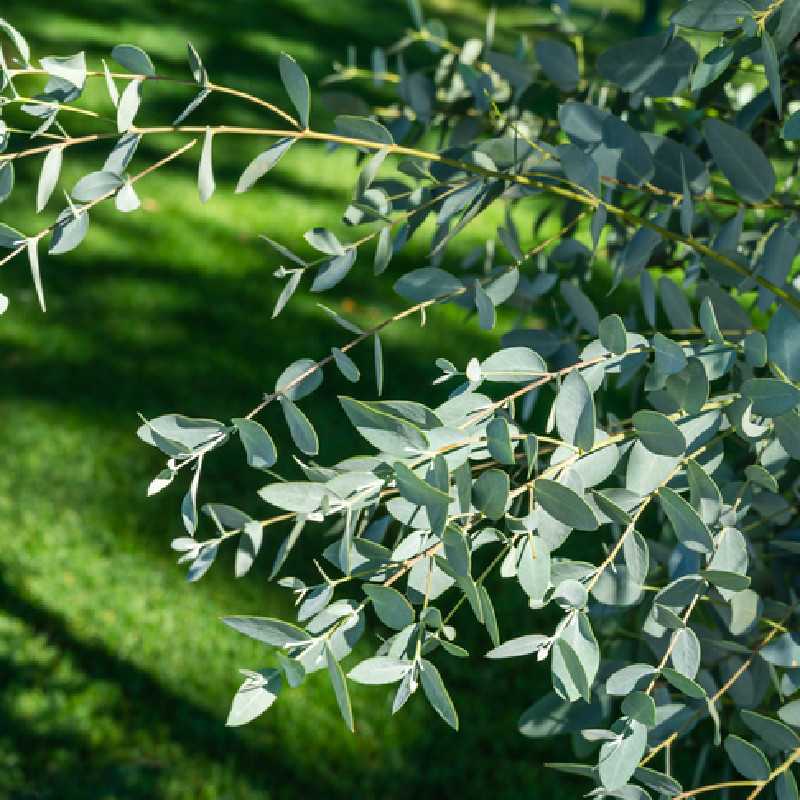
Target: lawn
[[115, 673]]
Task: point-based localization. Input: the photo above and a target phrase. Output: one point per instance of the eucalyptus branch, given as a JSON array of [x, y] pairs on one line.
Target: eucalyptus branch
[[134, 178], [571, 194], [732, 679], [437, 483], [214, 87]]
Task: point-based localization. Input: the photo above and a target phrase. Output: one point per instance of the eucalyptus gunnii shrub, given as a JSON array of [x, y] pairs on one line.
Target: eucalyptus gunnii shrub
[[659, 441]]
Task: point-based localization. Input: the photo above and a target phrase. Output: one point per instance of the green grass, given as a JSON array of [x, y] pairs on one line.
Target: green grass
[[115, 674]]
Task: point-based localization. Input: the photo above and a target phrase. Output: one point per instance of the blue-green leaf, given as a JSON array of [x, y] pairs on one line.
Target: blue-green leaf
[[363, 128], [274, 632], [296, 84], [565, 505], [490, 493], [712, 15], [689, 528], [427, 283], [205, 169], [654, 65], [379, 670], [134, 59], [741, 161], [769, 56], [262, 164], [498, 441], [300, 428], [771, 397], [747, 759], [258, 692], [391, 607], [612, 334], [559, 63], [640, 707], [575, 411], [437, 695], [257, 443], [783, 342], [620, 757], [521, 646], [339, 683], [659, 434]]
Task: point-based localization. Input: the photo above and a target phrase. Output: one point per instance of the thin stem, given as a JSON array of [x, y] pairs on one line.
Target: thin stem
[[672, 643], [713, 787], [61, 107], [762, 16], [350, 73], [256, 101], [779, 770], [128, 76], [609, 559], [482, 577]]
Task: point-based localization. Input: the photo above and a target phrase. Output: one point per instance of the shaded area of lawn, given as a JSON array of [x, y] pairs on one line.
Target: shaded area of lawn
[[115, 675]]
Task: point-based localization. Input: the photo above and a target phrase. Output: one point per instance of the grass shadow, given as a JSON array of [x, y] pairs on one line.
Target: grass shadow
[[103, 695]]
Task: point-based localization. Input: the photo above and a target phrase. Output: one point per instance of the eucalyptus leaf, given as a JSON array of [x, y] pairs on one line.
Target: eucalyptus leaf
[[300, 428], [262, 164], [339, 683], [274, 632], [521, 646], [490, 493], [740, 160], [69, 231], [205, 170], [437, 694], [391, 607], [258, 692], [379, 670], [559, 63], [95, 185], [134, 59], [747, 758], [258, 444], [48, 178], [641, 707], [565, 505], [620, 757], [575, 411], [688, 527], [712, 15], [128, 105], [659, 434], [296, 84], [363, 128]]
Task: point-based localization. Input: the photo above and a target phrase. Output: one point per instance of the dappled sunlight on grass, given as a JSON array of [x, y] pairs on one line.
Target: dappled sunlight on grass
[[116, 674]]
